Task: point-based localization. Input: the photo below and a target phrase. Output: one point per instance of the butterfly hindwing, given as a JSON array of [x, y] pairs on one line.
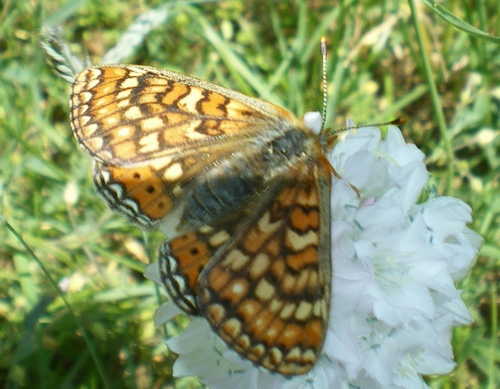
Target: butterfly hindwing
[[181, 261]]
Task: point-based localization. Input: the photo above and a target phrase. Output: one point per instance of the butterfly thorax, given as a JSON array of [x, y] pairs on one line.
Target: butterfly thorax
[[228, 190]]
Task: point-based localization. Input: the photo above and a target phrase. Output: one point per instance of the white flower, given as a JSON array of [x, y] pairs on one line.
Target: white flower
[[394, 301]]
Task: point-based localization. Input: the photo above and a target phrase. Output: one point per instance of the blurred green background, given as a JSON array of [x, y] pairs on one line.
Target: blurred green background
[[269, 49]]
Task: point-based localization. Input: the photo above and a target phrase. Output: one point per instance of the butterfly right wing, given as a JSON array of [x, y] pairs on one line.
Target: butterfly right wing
[[223, 204], [266, 293], [182, 259], [263, 283]]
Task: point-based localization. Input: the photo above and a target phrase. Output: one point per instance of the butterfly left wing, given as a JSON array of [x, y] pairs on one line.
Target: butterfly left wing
[[162, 192], [129, 114], [153, 133]]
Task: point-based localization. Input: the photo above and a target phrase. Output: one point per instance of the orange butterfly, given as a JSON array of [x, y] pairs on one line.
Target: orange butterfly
[[242, 188]]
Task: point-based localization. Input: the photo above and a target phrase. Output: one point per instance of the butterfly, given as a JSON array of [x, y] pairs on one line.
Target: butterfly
[[242, 188]]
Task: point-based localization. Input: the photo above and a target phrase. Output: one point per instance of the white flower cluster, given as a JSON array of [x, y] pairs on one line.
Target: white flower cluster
[[394, 301]]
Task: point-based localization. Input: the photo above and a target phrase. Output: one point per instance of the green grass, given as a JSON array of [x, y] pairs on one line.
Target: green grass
[[444, 80]]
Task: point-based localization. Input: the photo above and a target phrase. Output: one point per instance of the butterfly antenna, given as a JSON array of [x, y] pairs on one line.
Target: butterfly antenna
[[325, 92], [399, 121]]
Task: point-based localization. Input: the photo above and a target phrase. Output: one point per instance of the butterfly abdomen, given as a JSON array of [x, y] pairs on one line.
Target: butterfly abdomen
[[229, 188], [216, 197]]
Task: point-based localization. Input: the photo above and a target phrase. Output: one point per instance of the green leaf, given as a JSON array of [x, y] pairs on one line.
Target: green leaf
[[459, 23]]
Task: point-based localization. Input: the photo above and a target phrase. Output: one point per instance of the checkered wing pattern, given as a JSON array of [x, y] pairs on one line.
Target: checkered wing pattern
[[241, 186]]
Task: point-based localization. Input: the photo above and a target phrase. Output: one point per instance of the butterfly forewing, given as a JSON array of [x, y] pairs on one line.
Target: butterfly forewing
[[267, 292], [242, 189], [130, 114]]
